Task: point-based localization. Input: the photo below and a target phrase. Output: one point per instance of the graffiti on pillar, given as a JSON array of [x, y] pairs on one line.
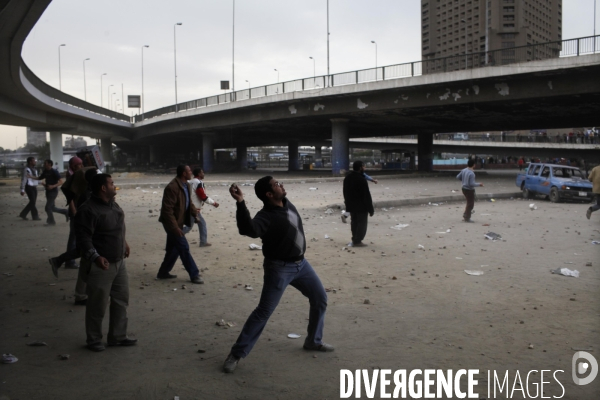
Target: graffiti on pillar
[[319, 107], [446, 95], [502, 89], [403, 97], [361, 105], [550, 85], [456, 95], [292, 109], [476, 89]]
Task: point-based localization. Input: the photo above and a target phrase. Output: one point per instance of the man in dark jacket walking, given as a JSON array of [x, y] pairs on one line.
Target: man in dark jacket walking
[[177, 215], [358, 203]]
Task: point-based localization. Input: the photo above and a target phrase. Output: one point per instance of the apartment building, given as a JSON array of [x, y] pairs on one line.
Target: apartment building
[[474, 32]]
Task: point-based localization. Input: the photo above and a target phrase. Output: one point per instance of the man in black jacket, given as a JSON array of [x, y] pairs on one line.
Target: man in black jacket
[[358, 203], [279, 226]]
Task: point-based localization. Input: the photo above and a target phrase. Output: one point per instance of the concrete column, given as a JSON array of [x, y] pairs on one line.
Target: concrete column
[[106, 150], [56, 150], [208, 152], [152, 156], [242, 157], [293, 155], [425, 151], [318, 153], [340, 162], [412, 163]]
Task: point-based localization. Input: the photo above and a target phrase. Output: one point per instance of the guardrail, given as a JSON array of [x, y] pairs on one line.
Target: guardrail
[[533, 52]]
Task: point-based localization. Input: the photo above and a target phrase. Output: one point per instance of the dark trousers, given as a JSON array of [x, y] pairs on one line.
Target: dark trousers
[[72, 253], [51, 207], [31, 192], [470, 196], [358, 226], [278, 275], [178, 247], [596, 207]]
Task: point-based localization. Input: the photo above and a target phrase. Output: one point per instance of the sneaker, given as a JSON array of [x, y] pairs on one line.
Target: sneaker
[[23, 217], [36, 219], [468, 220], [166, 276], [124, 342], [197, 279], [344, 219], [230, 363], [80, 302], [97, 347], [50, 224], [588, 213], [318, 347], [360, 244], [205, 245], [54, 264], [71, 266]]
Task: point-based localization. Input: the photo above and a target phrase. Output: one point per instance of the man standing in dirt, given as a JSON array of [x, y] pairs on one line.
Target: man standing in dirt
[[199, 197], [467, 176], [279, 226], [177, 215], [358, 203], [29, 186], [100, 230]]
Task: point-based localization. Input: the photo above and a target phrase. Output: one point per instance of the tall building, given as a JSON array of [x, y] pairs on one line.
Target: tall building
[[474, 32], [36, 138]]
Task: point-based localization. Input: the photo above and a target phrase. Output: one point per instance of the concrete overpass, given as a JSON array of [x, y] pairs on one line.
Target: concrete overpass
[[558, 93]]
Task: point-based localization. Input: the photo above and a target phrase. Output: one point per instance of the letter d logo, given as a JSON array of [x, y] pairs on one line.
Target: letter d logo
[[583, 367]]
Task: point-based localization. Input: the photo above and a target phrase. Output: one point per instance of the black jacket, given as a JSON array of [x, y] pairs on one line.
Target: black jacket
[[356, 193], [280, 229]]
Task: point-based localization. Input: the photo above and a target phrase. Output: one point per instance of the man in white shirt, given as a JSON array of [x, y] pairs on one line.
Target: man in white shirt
[[29, 186], [199, 197]]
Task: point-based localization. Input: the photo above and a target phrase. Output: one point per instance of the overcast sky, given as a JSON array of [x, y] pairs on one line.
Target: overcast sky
[[269, 34]]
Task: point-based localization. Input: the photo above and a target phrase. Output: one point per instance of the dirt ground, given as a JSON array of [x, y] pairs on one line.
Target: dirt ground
[[424, 311]]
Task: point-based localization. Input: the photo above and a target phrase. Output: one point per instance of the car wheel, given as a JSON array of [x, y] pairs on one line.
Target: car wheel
[[526, 192], [554, 197]]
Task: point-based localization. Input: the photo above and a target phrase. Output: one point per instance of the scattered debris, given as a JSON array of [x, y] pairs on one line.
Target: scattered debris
[[225, 324], [313, 188], [9, 359], [255, 247], [532, 207], [329, 211], [37, 343], [399, 227], [566, 272], [294, 336], [473, 272], [493, 236], [248, 287], [63, 357], [367, 301]]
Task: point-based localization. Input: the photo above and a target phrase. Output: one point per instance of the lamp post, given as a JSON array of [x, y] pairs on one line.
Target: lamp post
[[247, 81], [59, 77], [466, 60], [314, 71], [146, 46], [175, 53], [84, 85], [101, 100], [233, 49], [108, 95], [327, 43], [595, 26], [277, 74], [113, 101], [375, 43]]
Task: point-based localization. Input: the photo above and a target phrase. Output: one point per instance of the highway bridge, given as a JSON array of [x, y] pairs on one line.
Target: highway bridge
[[386, 101]]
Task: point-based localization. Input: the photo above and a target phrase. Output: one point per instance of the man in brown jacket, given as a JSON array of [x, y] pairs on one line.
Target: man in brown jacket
[[177, 215], [595, 179]]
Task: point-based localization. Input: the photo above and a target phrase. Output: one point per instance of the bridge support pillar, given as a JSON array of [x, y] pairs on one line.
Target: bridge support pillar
[[106, 149], [293, 155], [56, 150], [412, 163], [340, 161], [242, 157], [318, 153], [425, 151], [208, 152]]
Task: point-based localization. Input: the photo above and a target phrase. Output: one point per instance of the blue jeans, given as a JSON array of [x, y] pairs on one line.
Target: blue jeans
[[178, 247], [278, 275], [51, 207], [202, 229]]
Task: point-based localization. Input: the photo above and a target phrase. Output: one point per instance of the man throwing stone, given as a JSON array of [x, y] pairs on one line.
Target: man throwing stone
[[358, 203], [177, 213], [100, 230], [279, 226]]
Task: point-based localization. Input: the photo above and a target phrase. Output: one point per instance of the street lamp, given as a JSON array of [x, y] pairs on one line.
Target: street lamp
[[146, 46], [59, 77], [375, 43], [101, 100], [328, 42], [248, 84], [108, 96], [277, 75], [466, 61], [233, 49], [175, 53], [84, 86], [314, 70]]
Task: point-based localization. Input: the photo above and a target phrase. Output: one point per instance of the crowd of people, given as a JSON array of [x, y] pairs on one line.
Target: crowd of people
[[98, 238]]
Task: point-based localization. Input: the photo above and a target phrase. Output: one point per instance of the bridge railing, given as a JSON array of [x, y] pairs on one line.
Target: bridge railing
[[506, 56]]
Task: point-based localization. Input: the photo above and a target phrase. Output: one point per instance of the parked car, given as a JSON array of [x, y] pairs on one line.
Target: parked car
[[558, 182], [460, 136], [252, 164]]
